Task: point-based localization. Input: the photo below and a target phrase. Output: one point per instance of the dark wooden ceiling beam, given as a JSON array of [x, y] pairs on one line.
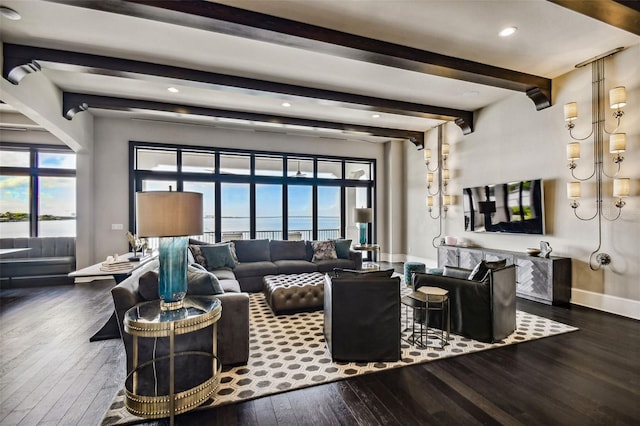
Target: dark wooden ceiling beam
[[21, 60], [230, 20], [621, 14], [74, 103]]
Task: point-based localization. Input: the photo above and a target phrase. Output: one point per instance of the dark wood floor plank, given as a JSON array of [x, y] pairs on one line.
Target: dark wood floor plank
[[51, 374], [360, 412]]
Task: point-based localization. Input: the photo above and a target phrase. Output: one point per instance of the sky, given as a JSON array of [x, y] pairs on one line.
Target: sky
[[57, 195]]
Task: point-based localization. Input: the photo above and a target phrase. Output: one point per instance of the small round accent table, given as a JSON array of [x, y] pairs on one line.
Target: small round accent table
[[422, 302], [149, 394]]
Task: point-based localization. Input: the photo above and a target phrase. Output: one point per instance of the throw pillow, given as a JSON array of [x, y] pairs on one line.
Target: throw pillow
[[481, 271], [202, 283], [453, 272], [342, 248], [323, 250], [218, 256], [198, 256], [148, 285]]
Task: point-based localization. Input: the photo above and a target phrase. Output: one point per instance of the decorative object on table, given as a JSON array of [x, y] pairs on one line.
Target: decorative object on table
[[137, 245], [617, 146], [115, 264], [363, 216], [545, 249], [532, 251], [451, 241], [171, 216]]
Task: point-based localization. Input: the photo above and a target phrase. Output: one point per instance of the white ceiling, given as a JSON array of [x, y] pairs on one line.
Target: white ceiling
[[550, 40]]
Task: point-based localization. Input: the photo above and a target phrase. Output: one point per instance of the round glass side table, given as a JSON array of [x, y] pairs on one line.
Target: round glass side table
[[156, 387]]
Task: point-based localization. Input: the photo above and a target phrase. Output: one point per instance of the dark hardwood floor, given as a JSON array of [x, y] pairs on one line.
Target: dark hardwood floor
[[51, 374]]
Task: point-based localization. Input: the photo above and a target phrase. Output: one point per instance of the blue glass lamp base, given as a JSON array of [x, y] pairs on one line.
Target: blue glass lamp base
[[363, 233], [172, 277]]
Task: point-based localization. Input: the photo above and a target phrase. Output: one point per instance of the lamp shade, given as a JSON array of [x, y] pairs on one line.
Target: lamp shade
[[621, 187], [446, 200], [168, 213], [570, 111], [429, 177], [445, 174], [573, 190], [445, 149], [573, 151], [429, 201], [617, 97], [617, 143], [362, 215], [427, 154]]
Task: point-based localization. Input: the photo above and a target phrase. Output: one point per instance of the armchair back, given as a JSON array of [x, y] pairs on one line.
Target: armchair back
[[482, 310], [362, 318]]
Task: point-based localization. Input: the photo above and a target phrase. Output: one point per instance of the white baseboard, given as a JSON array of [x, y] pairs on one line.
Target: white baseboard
[[612, 304]]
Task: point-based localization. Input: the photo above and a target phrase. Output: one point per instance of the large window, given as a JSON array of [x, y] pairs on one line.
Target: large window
[[38, 191], [256, 194]]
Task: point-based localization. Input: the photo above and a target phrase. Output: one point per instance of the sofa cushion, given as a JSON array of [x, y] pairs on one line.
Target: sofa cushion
[[255, 269], [223, 274], [295, 266], [199, 282], [148, 285], [287, 250], [342, 248], [330, 265], [218, 256], [230, 286], [323, 250], [202, 283], [252, 250]]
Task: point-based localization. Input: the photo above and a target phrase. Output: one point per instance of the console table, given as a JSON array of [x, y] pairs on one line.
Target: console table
[[546, 280]]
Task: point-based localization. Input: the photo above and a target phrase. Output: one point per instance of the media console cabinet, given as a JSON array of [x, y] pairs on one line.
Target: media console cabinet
[[546, 280]]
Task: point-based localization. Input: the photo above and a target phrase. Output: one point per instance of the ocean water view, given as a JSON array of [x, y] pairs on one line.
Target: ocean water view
[[67, 228]]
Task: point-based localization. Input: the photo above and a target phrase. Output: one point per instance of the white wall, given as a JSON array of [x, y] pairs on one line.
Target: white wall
[[513, 141], [111, 171]]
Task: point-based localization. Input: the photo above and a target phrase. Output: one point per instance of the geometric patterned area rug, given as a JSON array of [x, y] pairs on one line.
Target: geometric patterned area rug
[[289, 352]]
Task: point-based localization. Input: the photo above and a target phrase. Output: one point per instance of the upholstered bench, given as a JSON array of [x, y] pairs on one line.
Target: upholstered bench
[[294, 292]]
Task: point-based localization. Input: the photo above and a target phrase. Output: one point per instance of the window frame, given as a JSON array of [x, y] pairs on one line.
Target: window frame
[[33, 171], [136, 177]]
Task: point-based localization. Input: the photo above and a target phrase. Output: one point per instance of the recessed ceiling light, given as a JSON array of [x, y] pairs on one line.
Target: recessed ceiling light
[[173, 90], [375, 115], [9, 13], [286, 104], [508, 31]]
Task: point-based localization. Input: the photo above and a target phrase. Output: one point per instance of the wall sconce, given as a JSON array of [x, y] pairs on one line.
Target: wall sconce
[[617, 145], [438, 201]]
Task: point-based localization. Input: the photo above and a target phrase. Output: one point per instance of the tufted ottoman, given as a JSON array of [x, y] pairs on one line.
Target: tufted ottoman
[[294, 292]]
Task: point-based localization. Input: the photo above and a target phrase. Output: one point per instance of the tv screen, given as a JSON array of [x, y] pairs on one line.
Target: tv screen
[[513, 207]]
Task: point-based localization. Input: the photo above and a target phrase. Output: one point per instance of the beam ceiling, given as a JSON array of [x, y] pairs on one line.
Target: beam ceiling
[[233, 21]]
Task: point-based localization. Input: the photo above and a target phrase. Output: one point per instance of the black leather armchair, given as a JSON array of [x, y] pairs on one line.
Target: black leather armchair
[[481, 310], [362, 318]]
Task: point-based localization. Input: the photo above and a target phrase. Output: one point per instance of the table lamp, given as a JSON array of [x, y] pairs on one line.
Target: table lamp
[[171, 216], [363, 217]]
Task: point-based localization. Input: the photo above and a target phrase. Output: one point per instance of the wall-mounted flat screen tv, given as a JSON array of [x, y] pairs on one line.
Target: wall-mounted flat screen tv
[[513, 207]]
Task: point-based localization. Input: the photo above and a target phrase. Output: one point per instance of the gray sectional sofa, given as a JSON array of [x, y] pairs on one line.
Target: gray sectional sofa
[[248, 263], [256, 258]]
